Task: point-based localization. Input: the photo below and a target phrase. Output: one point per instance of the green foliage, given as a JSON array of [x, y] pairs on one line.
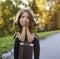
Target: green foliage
[[6, 43], [33, 6], [9, 10]]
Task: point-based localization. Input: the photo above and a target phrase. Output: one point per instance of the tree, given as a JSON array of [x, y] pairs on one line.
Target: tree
[[6, 17]]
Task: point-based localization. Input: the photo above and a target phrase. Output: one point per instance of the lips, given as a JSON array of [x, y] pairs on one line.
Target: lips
[[25, 22]]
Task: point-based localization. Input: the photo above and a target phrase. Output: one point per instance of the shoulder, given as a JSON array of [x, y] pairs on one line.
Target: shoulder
[[16, 39], [16, 35]]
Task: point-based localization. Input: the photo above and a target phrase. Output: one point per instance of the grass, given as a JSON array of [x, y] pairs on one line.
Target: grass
[[47, 33], [6, 43]]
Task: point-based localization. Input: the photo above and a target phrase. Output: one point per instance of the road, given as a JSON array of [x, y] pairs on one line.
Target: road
[[50, 47]]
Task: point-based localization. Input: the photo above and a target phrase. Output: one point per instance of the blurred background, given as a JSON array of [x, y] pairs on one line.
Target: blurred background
[[46, 13]]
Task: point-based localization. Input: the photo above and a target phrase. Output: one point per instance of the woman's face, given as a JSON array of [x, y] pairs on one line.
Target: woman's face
[[24, 19]]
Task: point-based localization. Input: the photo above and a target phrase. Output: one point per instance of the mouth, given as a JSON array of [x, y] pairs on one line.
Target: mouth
[[25, 22]]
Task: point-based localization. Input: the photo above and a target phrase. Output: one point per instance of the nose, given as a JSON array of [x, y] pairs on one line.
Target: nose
[[25, 19]]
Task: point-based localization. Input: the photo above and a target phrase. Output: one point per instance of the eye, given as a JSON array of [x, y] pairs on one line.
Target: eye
[[22, 16], [28, 18]]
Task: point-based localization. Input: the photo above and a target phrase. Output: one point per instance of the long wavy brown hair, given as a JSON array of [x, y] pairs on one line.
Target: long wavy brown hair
[[32, 23]]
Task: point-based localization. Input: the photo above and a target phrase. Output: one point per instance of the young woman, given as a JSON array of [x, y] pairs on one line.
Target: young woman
[[25, 24]]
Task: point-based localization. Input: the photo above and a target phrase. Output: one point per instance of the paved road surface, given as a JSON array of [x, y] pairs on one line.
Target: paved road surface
[[50, 47]]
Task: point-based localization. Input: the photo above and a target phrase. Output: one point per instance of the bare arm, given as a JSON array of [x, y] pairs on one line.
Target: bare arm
[[30, 35], [21, 35], [25, 30]]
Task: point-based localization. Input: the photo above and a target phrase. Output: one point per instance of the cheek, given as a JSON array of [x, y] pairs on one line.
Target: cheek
[[20, 21], [28, 20]]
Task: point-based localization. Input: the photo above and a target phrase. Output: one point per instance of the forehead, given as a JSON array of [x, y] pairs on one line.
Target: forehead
[[25, 14]]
